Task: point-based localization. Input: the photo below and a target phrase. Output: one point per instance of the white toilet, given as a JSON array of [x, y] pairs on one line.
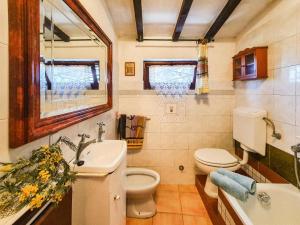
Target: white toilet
[[249, 129], [140, 186]]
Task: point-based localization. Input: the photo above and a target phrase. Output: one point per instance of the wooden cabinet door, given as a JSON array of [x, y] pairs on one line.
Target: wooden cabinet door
[[60, 215], [237, 68], [250, 65]]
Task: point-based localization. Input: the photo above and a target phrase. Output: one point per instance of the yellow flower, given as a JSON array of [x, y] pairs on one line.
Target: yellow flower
[[22, 198], [45, 147], [58, 197], [44, 175], [29, 189], [37, 201], [43, 162], [6, 168], [56, 157]]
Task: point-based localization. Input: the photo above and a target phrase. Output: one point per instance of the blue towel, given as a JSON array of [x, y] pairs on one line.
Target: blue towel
[[246, 182], [230, 186]]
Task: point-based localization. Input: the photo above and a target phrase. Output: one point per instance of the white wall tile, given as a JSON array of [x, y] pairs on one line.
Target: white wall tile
[[298, 79], [4, 81], [288, 138], [285, 81], [174, 141], [4, 22], [298, 110], [216, 123], [284, 109], [5, 157], [150, 158], [152, 141]]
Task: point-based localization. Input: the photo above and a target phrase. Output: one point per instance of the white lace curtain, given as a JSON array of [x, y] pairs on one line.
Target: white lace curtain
[[171, 80]]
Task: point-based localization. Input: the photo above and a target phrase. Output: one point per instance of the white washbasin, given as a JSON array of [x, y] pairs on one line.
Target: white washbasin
[[102, 157]]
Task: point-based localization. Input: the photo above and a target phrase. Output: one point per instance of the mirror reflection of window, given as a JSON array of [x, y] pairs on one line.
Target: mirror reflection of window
[[73, 62]]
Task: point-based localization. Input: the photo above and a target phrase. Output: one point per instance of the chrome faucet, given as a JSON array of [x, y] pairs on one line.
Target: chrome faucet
[[78, 149], [296, 150], [100, 131], [264, 198]]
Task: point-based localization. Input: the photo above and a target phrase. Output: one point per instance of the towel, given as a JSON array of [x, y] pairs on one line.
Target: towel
[[230, 186], [246, 182], [131, 127], [122, 127]]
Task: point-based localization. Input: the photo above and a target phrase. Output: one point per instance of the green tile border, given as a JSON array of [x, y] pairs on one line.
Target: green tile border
[[278, 161]]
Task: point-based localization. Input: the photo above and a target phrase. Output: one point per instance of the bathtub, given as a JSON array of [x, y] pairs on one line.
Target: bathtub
[[283, 210]]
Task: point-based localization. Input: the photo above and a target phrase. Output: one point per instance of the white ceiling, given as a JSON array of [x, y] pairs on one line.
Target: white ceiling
[[160, 16]]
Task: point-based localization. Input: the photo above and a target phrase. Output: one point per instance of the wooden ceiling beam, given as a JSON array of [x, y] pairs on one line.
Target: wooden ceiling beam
[[221, 19], [57, 31], [184, 11], [138, 19]]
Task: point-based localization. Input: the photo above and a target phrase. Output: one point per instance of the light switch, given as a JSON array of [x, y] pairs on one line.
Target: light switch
[[171, 108]]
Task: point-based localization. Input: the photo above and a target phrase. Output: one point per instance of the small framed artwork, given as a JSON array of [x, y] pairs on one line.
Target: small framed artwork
[[129, 68]]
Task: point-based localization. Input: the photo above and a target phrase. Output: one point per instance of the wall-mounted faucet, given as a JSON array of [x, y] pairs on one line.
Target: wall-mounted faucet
[[271, 123], [100, 131], [78, 149]]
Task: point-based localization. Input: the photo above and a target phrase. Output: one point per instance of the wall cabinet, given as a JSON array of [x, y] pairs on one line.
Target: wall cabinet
[[251, 64]]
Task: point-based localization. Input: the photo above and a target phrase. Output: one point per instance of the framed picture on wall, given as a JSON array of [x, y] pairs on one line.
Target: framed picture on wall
[[129, 69]]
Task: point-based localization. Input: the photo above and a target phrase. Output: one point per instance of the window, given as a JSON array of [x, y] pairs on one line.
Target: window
[[169, 72]]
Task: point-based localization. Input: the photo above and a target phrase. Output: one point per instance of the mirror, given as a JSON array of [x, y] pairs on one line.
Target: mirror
[[73, 62], [60, 68]]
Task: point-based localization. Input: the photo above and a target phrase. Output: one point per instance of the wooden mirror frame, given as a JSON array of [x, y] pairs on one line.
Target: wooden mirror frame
[[25, 124]]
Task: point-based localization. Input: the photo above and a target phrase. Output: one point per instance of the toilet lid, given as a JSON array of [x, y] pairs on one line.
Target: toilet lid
[[215, 156]]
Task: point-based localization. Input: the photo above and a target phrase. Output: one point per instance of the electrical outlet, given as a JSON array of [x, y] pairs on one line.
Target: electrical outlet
[[171, 108]]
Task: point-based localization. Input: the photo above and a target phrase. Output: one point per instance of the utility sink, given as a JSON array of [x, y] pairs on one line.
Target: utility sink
[[102, 157]]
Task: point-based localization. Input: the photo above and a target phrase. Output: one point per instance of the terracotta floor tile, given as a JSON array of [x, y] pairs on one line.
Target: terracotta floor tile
[[167, 187], [188, 188], [134, 221], [168, 201], [192, 204], [196, 220], [167, 219]]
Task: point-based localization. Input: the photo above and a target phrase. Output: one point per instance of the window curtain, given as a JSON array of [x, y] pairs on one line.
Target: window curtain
[[202, 70]]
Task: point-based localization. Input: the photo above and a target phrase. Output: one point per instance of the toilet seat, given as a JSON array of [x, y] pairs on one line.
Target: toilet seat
[[139, 179], [215, 157]]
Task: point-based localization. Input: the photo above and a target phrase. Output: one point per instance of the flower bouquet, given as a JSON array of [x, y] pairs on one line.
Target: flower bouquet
[[44, 177]]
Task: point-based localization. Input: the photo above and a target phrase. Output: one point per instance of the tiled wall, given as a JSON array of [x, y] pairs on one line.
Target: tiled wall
[[99, 12], [279, 29], [225, 213], [171, 140]]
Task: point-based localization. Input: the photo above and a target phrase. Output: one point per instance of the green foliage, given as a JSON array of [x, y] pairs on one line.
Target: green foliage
[[44, 177]]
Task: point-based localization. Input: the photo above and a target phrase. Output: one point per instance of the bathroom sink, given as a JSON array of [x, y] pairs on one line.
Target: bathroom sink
[[101, 157]]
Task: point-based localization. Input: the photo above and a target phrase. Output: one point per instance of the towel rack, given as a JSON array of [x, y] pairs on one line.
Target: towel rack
[[118, 115]]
